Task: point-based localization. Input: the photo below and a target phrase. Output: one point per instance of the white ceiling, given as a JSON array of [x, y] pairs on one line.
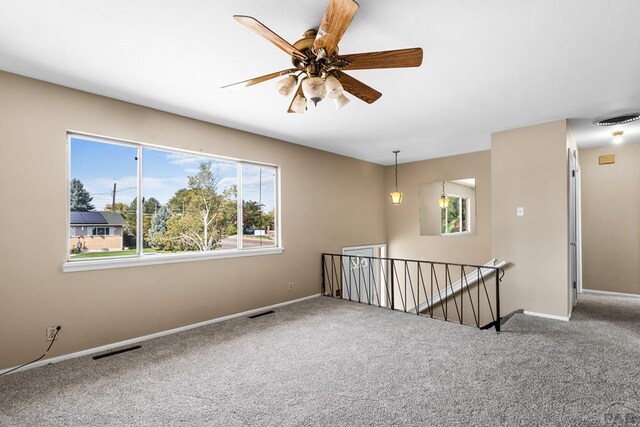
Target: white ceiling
[[489, 65]]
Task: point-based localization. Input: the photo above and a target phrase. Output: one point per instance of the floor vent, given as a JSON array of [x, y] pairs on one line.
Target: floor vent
[[113, 353], [262, 314]]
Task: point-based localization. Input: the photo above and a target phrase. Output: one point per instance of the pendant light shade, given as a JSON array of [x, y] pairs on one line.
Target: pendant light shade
[[443, 201], [396, 196]]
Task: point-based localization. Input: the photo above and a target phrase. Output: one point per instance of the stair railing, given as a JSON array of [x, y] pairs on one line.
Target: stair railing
[[439, 290]]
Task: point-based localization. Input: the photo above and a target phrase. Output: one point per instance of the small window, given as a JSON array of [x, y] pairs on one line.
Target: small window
[[455, 218], [100, 231]]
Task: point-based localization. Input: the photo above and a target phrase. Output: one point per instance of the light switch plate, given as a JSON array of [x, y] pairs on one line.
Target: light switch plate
[[520, 211]]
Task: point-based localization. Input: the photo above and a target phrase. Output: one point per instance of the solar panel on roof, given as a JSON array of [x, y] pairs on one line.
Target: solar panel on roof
[[87, 218]]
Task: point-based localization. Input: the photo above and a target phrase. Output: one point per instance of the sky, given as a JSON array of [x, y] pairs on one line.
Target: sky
[[98, 165]]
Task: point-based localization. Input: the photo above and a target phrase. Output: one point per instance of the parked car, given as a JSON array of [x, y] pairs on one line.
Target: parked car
[[248, 230]]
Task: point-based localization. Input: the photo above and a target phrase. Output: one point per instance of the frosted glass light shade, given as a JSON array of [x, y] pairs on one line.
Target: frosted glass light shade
[[299, 104], [314, 89], [286, 85], [396, 197], [334, 87], [341, 101], [443, 202]]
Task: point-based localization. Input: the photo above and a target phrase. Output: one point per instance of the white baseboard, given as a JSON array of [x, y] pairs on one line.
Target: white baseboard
[[546, 316], [613, 294], [155, 335]]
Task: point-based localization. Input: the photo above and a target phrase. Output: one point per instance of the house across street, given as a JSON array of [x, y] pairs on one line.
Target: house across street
[[96, 231]]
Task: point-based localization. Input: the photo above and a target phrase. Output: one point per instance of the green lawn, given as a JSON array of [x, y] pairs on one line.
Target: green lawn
[[103, 254]]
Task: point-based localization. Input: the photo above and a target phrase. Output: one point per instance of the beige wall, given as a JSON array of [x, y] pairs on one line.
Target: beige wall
[[611, 219], [328, 201], [529, 169], [403, 222], [430, 211]]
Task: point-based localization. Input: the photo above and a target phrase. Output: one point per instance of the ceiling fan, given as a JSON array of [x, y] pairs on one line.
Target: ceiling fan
[[317, 64]]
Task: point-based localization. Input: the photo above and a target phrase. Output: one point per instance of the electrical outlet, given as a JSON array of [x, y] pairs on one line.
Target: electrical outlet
[[290, 285], [51, 332]]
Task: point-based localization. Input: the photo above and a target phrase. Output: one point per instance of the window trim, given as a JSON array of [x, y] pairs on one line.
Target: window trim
[[141, 259]]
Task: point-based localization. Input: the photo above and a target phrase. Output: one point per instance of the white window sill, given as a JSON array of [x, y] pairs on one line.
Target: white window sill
[[103, 264], [462, 233]]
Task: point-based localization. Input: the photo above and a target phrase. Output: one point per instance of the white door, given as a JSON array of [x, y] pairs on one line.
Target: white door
[[360, 275]]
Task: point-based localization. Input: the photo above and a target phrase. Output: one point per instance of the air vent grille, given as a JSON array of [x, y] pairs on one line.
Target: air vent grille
[[618, 120]]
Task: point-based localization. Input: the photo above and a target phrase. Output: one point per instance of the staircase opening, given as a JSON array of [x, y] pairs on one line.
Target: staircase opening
[[463, 293]]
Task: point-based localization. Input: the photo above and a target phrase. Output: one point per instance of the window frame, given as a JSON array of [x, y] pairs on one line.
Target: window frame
[[467, 201], [139, 258]]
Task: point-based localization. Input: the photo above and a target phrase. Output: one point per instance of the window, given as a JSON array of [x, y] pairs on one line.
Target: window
[[100, 231], [455, 218], [154, 202]]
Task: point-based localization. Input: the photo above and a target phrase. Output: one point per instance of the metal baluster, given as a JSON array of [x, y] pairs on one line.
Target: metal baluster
[[498, 301]]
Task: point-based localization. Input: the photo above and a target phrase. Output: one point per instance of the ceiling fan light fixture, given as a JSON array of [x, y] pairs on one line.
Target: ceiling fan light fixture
[[334, 87], [286, 85], [341, 101], [299, 104], [314, 89]]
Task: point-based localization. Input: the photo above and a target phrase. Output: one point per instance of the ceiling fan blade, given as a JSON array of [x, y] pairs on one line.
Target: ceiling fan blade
[[357, 88], [259, 28], [295, 95], [335, 21], [251, 82], [399, 58]]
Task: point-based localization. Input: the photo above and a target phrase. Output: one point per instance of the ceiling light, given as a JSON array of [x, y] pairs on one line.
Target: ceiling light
[[341, 101], [334, 87], [299, 104], [617, 137], [286, 85], [443, 201], [618, 120], [396, 196], [314, 89]]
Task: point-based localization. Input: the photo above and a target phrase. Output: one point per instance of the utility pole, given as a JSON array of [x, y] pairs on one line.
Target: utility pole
[[113, 198]]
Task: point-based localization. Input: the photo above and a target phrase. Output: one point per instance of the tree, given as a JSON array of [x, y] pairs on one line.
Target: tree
[[150, 206], [120, 207], [251, 214], [268, 220], [200, 216], [80, 199], [158, 222]]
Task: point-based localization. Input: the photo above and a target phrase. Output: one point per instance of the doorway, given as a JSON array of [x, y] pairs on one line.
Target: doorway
[[574, 229], [362, 274]]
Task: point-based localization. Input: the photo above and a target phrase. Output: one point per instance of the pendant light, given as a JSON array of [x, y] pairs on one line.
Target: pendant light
[[443, 201], [396, 196]]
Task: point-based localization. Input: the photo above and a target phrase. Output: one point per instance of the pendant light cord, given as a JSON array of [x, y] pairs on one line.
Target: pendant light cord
[[396, 153]]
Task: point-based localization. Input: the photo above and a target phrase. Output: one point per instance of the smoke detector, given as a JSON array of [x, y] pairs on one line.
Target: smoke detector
[[618, 120]]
